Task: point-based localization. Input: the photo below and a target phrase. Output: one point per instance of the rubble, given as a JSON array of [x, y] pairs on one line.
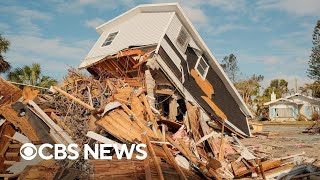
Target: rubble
[[131, 104]]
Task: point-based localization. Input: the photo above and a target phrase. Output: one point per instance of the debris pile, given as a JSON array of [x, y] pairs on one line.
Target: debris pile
[[314, 128], [134, 104]]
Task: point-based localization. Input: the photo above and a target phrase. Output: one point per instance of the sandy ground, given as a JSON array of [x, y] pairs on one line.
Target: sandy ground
[[286, 140]]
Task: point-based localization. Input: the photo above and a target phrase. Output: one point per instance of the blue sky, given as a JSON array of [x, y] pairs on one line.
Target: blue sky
[[268, 37]]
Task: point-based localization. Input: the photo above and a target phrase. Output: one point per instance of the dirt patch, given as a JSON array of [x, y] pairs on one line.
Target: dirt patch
[[285, 140]]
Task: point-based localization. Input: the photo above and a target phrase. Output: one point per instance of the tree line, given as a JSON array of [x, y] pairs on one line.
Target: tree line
[[249, 87], [29, 74]]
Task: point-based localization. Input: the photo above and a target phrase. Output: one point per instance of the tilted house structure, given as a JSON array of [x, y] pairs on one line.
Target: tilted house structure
[[163, 37]]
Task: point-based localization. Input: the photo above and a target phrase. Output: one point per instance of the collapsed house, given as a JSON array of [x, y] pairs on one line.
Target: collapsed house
[[154, 81], [163, 38]]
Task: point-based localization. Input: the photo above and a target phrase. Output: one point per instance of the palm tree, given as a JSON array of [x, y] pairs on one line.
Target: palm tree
[[4, 46], [31, 75]]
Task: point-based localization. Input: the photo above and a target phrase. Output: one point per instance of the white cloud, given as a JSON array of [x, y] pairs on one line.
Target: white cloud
[[196, 15], [227, 27], [296, 7], [78, 6], [93, 23], [230, 5], [272, 60], [54, 55], [25, 18]]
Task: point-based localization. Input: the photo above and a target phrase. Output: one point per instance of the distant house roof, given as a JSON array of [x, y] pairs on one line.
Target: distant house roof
[[288, 99]]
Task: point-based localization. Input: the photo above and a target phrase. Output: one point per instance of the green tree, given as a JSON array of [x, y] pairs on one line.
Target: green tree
[[230, 66], [31, 75], [314, 62], [249, 88], [314, 88], [4, 46], [278, 86]]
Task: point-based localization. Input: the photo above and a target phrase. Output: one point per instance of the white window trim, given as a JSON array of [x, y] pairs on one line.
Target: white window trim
[[102, 46], [206, 70]]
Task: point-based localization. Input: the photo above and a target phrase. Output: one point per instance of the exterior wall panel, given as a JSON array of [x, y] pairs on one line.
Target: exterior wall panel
[[141, 29]]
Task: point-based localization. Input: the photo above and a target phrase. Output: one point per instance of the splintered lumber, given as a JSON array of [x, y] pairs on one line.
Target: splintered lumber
[[53, 126], [239, 169], [151, 116], [73, 98], [19, 122], [137, 107], [101, 138], [150, 85], [137, 120], [277, 171], [29, 94], [166, 92], [117, 130], [222, 144], [9, 92], [270, 164], [134, 169], [173, 108], [123, 93], [60, 122], [193, 116], [153, 155], [203, 84], [174, 163], [146, 160], [214, 107], [4, 140]]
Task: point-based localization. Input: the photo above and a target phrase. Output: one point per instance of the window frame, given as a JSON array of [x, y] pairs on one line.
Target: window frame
[[183, 48], [105, 41], [206, 70]]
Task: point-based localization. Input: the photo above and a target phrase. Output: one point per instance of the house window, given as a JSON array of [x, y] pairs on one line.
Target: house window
[[202, 67], [183, 39], [109, 39]]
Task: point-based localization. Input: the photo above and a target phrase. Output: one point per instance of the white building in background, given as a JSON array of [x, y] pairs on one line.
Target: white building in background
[[290, 107]]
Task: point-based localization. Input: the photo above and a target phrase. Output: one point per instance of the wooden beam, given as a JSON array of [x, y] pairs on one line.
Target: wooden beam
[[146, 161], [153, 155], [69, 96], [174, 163], [151, 116], [136, 119]]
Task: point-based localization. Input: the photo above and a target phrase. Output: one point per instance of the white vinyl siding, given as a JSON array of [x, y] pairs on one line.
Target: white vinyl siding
[[283, 112], [173, 33], [140, 29]]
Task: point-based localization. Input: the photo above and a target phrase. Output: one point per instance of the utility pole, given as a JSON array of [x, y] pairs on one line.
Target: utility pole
[[296, 81]]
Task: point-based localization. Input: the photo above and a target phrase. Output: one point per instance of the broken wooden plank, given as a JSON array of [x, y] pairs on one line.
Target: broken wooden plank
[[102, 139], [54, 127], [146, 160], [19, 122], [69, 96], [174, 163], [151, 116], [203, 84], [137, 120], [215, 108], [153, 156]]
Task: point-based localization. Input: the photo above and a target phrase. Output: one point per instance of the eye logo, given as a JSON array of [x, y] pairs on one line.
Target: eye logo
[[28, 151]]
